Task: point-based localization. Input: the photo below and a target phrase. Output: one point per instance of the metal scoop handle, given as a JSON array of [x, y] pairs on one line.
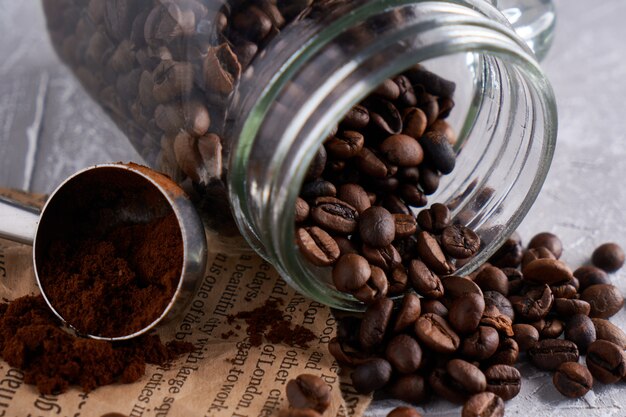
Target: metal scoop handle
[[18, 222]]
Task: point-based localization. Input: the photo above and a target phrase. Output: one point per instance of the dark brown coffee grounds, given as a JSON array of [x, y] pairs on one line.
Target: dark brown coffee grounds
[[115, 283], [268, 321], [32, 339]]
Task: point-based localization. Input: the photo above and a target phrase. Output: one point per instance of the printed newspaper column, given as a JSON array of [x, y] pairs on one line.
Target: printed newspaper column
[[229, 374]]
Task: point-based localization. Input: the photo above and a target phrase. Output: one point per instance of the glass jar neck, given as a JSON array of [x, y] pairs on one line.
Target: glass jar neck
[[328, 61]]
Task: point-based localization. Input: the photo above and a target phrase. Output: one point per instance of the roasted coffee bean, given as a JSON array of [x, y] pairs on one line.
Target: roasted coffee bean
[[481, 344], [374, 324], [549, 354], [409, 312], [605, 330], [334, 214], [503, 380], [431, 254], [402, 150], [525, 335], [371, 164], [569, 307], [507, 353], [299, 412], [432, 82], [485, 404], [580, 330], [302, 210], [605, 300], [515, 280], [494, 318], [493, 279], [534, 305], [509, 254], [430, 105], [494, 298], [459, 241], [404, 354], [444, 128], [534, 254], [566, 291], [572, 380], [409, 388], [395, 205], [548, 241], [435, 219], [434, 307], [318, 188], [407, 94], [385, 118], [466, 312], [191, 116], [376, 287], [346, 356], [377, 227], [608, 256], [387, 258], [317, 246], [317, 165], [308, 391], [438, 151], [404, 412], [165, 23], [429, 178], [415, 122], [388, 90], [345, 245], [351, 272], [410, 175], [606, 361], [172, 79], [345, 144], [252, 23], [406, 225], [591, 275], [549, 328], [456, 286], [435, 333], [221, 69], [466, 376], [354, 195], [443, 386], [424, 281], [398, 281], [358, 117], [371, 376], [547, 271], [413, 195], [345, 330]]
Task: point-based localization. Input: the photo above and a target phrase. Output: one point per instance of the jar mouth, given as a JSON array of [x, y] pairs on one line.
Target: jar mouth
[[264, 193]]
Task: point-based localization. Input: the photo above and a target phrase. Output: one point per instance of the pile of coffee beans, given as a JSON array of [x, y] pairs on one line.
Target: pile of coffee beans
[[462, 342], [355, 210]]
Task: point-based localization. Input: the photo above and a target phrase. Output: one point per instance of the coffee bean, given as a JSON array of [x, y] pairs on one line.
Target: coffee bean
[[525, 335], [456, 286], [370, 163], [466, 312], [433, 331], [221, 69], [435, 219], [424, 280], [413, 195], [252, 23], [357, 118], [407, 94], [415, 122], [317, 165], [439, 152], [606, 361], [434, 307], [346, 356], [431, 254], [515, 280], [605, 330], [591, 275], [317, 246], [565, 291], [409, 388], [534, 305], [404, 354], [548, 354], [354, 195], [605, 300], [406, 225], [385, 118], [493, 279], [402, 150], [172, 79], [376, 287], [509, 254], [459, 241], [374, 324], [466, 376], [485, 404], [302, 210], [345, 245], [409, 312], [549, 328], [387, 258], [308, 391], [494, 298], [503, 380], [432, 82], [580, 330], [404, 412], [569, 307], [351, 272], [334, 214], [481, 344], [549, 241], [494, 318], [398, 281], [319, 188], [371, 376], [572, 380], [444, 387], [547, 271], [377, 227], [345, 145], [388, 89], [429, 178], [608, 256], [395, 205], [507, 353]]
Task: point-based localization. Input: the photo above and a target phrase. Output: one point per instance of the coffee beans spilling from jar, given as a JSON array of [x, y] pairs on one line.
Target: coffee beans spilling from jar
[[463, 344]]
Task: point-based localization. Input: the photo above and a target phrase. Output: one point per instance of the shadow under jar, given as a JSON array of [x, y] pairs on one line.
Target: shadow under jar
[[234, 98]]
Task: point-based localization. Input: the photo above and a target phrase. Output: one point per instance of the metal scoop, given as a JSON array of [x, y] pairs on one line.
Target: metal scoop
[[140, 195]]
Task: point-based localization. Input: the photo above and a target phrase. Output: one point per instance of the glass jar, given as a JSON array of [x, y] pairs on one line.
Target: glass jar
[[234, 98]]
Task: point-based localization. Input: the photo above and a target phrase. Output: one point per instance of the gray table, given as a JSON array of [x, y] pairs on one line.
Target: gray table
[[50, 129]]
